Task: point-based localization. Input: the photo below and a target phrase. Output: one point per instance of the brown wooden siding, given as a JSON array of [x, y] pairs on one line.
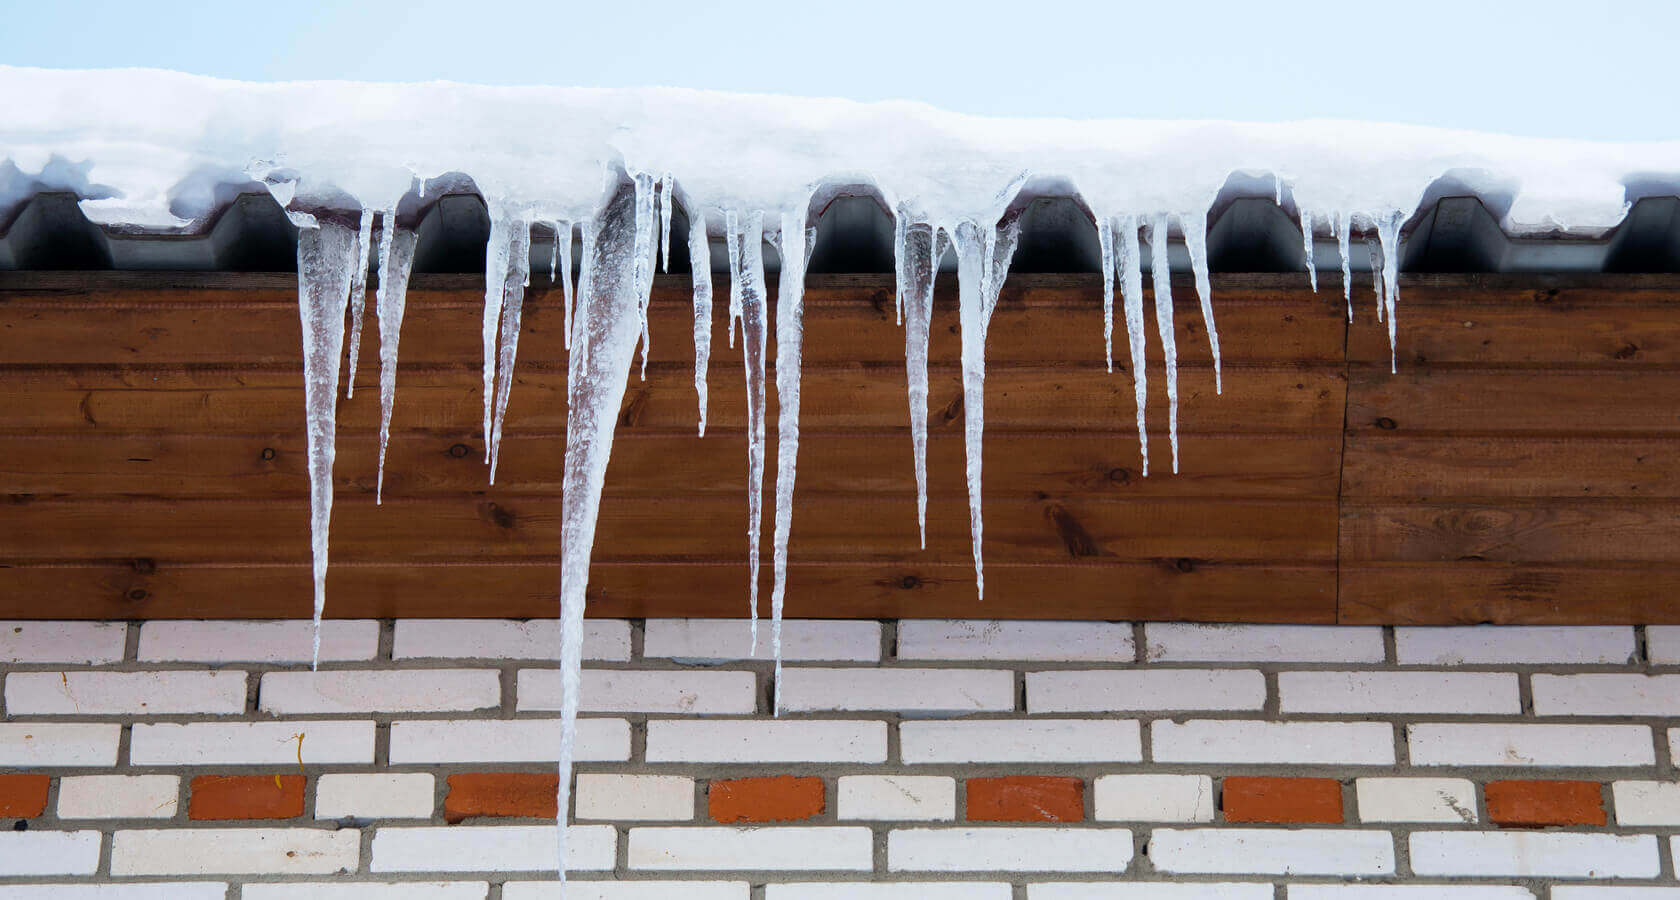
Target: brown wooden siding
[[1521, 467]]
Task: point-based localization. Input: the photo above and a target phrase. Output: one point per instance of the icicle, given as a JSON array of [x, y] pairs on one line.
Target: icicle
[[513, 313], [396, 260], [1307, 248], [790, 332], [358, 298], [747, 286], [497, 257], [732, 241], [554, 254], [1388, 233], [901, 226], [563, 250], [608, 327], [1131, 292], [666, 186], [326, 259], [644, 256], [1161, 277], [917, 265], [1105, 240], [1341, 223], [1374, 249], [1195, 240], [700, 262], [983, 256], [1277, 189]]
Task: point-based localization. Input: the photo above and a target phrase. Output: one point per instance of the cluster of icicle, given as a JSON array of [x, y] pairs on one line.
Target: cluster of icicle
[[606, 318]]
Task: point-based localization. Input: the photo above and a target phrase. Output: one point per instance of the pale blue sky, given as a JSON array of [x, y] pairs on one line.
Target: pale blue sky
[[1602, 69]]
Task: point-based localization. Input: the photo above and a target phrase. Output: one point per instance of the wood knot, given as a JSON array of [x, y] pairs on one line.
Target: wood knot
[[500, 516], [633, 410], [267, 453], [144, 565], [1078, 541], [137, 594], [1386, 424], [1627, 351], [909, 582], [459, 450], [1545, 296], [952, 410], [1119, 475], [1184, 564]]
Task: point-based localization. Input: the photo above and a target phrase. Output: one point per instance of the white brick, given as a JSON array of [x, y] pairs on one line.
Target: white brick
[[903, 890], [603, 639], [251, 743], [118, 796], [233, 851], [367, 890], [1152, 890], [1272, 851], [1534, 854], [124, 693], [922, 691], [1185, 642], [1399, 692], [622, 690], [1483, 645], [1009, 850], [900, 798], [380, 795], [744, 741], [364, 691], [1037, 740], [49, 852], [491, 848], [1154, 798], [983, 639], [1454, 744], [1606, 695], [1596, 892], [505, 740], [281, 641], [635, 798], [1127, 690], [1662, 644], [34, 745], [819, 848], [1416, 800], [1647, 802], [627, 890], [66, 643], [1409, 892], [152, 890], [1273, 743], [706, 641]]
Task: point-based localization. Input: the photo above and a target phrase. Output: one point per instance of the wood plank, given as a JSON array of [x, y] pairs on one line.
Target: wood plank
[[1543, 530], [827, 527], [1481, 402], [1138, 591], [1507, 594], [217, 401], [428, 464], [1381, 464]]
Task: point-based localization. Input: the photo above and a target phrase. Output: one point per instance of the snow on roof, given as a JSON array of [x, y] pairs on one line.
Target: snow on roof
[[162, 150]]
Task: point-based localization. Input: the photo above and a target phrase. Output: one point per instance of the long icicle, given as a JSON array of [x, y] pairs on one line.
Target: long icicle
[[563, 256], [901, 228], [513, 313], [497, 253], [732, 242], [358, 298], [609, 326], [1341, 223], [790, 334], [1195, 241], [700, 263], [645, 257], [747, 282], [1388, 235], [1160, 275], [1131, 294], [917, 264], [326, 255], [396, 260], [1375, 250], [1105, 240], [1307, 247], [983, 255], [666, 186]]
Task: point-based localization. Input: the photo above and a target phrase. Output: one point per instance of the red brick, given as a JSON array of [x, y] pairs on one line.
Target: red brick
[[246, 797], [23, 796], [782, 798], [1023, 798], [1249, 799], [503, 794], [1532, 804]]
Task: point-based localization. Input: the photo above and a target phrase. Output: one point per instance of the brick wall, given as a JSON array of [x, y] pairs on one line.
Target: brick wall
[[914, 759]]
